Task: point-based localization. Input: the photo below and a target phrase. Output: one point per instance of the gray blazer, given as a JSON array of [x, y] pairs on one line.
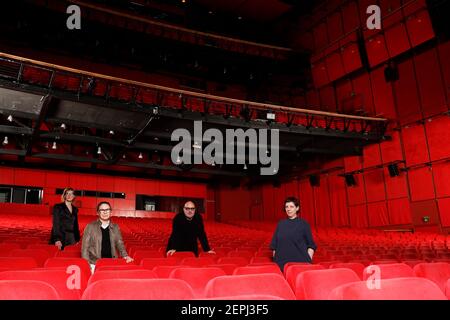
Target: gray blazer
[[91, 249]]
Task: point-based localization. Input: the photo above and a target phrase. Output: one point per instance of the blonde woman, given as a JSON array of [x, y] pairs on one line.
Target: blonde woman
[[65, 229]]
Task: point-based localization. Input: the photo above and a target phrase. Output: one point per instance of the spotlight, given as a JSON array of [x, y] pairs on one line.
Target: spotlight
[[99, 150], [124, 156], [5, 141], [63, 126], [140, 155], [270, 116], [10, 118], [245, 166], [178, 160], [111, 132], [54, 145]]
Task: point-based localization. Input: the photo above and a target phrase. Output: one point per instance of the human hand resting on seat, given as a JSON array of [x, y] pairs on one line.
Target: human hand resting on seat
[[170, 252], [128, 259], [212, 251], [58, 244]]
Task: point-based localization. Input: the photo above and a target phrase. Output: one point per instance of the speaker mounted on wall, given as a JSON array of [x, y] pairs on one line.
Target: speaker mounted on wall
[[350, 180], [314, 181], [393, 170], [391, 72]]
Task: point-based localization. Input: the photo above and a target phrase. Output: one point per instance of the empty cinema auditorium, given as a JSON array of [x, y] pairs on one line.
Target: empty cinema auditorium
[[203, 151]]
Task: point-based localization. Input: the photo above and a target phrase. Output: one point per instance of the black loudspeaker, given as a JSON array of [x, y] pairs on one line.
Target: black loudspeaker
[[350, 180], [393, 170], [314, 181], [439, 13], [391, 73]]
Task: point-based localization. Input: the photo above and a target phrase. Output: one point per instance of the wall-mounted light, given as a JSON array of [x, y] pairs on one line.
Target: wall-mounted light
[[10, 118], [111, 132], [5, 141], [99, 150], [63, 126], [140, 155], [54, 145]]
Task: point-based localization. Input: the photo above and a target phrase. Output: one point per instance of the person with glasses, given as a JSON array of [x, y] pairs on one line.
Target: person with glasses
[[102, 238], [65, 229], [187, 227]]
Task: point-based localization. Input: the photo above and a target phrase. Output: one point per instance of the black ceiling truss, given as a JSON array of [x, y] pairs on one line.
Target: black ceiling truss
[[84, 123]]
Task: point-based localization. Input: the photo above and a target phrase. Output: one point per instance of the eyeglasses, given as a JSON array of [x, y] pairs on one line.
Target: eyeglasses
[[187, 208], [104, 210]]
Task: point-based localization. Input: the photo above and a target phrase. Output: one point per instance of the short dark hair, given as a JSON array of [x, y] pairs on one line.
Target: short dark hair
[[293, 200], [103, 202]]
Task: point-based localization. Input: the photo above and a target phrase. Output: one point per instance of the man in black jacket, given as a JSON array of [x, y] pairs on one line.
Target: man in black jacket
[[187, 227]]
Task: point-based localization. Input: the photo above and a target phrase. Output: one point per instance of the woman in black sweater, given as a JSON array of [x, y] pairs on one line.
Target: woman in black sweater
[[65, 230], [187, 227]]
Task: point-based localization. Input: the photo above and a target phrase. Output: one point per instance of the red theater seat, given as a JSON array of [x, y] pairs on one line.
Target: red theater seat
[[139, 289], [389, 271], [390, 289], [358, 268], [143, 254], [197, 262], [258, 269], [111, 262], [121, 274], [165, 271], [317, 284], [227, 268], [247, 297], [438, 272], [66, 284], [119, 268], [197, 278], [293, 271], [27, 290], [150, 263], [37, 254], [17, 263], [240, 261], [271, 284], [67, 262], [180, 255]]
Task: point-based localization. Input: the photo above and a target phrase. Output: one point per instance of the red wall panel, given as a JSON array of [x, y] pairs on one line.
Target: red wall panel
[[338, 201], [267, 198], [312, 99], [334, 63], [444, 211], [358, 216], [376, 49], [444, 53], [25, 177], [328, 98], [83, 181], [105, 183], [441, 175], [57, 180], [350, 16], [415, 145], [344, 95], [419, 26], [356, 194], [352, 163], [320, 36], [127, 186], [148, 187], [438, 137], [408, 105], [391, 150], [395, 34], [396, 187], [421, 184], [431, 87], [322, 203], [374, 183], [6, 175], [382, 94], [371, 156], [334, 24], [307, 202], [362, 88], [399, 211], [378, 214]]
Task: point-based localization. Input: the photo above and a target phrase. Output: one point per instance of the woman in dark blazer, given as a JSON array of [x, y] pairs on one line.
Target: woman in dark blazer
[[65, 229]]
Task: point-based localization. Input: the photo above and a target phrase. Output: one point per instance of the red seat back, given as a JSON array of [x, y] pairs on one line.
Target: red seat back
[[197, 262], [68, 285], [390, 289], [358, 268], [17, 263], [258, 269], [438, 272], [293, 271], [37, 254], [139, 289], [389, 271], [150, 263], [121, 274], [197, 278], [27, 290], [271, 284], [317, 284]]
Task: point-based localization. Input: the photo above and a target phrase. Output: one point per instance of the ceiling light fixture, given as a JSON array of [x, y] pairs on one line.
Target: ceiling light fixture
[[140, 155], [5, 141], [54, 145]]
